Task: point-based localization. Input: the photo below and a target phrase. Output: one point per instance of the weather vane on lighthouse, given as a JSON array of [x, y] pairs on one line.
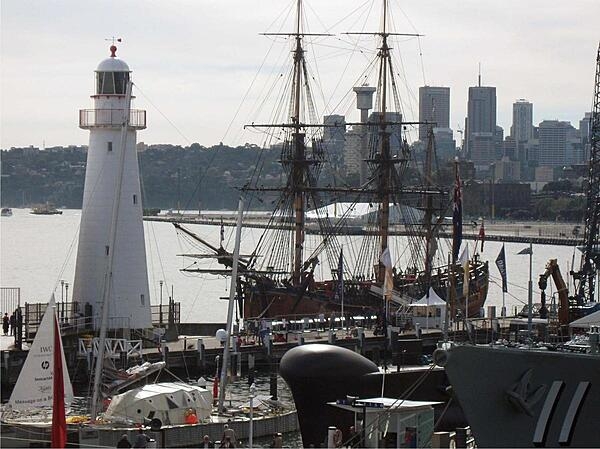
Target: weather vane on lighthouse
[[113, 47]]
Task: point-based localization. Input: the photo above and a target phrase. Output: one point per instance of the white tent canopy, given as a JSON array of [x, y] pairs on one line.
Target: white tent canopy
[[593, 319], [433, 300]]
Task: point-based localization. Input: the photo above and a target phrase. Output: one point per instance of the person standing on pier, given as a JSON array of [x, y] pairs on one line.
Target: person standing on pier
[[5, 323], [277, 440], [13, 324], [124, 441], [206, 443], [228, 434], [141, 439]]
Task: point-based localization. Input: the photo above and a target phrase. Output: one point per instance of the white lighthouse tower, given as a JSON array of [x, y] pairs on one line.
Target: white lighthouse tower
[[111, 257]]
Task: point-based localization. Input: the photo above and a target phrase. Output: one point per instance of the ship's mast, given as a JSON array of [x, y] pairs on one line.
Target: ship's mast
[[428, 218], [384, 158], [385, 181], [299, 159]]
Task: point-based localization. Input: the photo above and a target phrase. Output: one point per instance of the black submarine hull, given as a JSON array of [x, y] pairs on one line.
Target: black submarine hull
[[319, 373]]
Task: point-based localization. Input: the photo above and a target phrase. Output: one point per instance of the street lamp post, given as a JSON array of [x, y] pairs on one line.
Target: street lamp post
[[66, 296], [529, 251], [62, 298], [251, 430], [160, 315]]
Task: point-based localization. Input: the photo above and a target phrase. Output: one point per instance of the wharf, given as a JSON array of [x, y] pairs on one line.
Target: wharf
[[193, 355], [547, 233], [200, 352]]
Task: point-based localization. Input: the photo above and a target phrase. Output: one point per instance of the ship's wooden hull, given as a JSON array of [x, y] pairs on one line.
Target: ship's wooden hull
[[265, 299]]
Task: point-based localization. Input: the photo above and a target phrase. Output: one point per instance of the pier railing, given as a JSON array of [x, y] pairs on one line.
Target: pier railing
[[113, 347], [72, 322], [10, 299]]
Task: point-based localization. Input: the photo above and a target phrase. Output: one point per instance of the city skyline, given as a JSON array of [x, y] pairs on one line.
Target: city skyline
[[191, 76]]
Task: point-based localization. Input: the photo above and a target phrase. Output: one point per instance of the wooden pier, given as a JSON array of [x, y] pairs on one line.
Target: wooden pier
[[562, 234]]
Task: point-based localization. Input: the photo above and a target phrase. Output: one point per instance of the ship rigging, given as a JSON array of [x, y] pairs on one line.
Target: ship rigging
[[278, 278]]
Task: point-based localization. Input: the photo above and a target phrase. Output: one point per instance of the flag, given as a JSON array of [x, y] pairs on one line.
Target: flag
[[59, 423], [388, 282], [464, 261], [501, 264], [457, 219], [482, 234], [216, 388], [526, 250], [222, 233], [339, 292]]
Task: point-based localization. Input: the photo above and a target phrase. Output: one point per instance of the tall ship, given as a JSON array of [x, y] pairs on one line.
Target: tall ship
[[401, 255]]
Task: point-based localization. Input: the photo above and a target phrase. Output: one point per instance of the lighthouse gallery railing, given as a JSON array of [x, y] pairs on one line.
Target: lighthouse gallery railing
[[91, 118]]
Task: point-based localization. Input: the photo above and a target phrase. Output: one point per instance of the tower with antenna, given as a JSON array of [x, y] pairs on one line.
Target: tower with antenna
[[111, 256], [481, 123]]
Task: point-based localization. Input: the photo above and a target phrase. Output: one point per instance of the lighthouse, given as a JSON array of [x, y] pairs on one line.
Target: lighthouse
[[111, 256]]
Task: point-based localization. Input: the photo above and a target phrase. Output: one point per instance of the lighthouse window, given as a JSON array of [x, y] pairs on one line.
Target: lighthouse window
[[134, 198], [121, 79], [142, 299], [106, 83], [111, 83], [109, 146]]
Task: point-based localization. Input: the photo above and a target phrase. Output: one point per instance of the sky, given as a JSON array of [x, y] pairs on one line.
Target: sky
[[202, 70]]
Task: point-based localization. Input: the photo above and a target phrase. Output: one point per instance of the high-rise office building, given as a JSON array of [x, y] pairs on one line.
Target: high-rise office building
[[445, 144], [333, 138], [522, 126], [584, 133], [559, 144], [434, 106], [481, 122]]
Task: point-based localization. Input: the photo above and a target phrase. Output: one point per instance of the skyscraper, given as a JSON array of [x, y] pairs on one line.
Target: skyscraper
[[560, 144], [434, 106], [333, 137], [522, 126], [481, 122]]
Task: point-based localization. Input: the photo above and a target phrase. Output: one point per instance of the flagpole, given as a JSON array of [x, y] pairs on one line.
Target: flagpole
[[504, 285], [341, 280], [530, 293], [448, 301]]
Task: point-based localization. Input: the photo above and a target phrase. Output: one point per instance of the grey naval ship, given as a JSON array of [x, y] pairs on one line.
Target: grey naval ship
[[526, 398]]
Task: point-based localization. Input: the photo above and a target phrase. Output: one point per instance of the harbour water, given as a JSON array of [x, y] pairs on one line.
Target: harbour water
[[38, 251]]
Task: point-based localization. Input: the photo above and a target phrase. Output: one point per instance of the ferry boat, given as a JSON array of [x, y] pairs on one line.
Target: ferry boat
[[46, 209]]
